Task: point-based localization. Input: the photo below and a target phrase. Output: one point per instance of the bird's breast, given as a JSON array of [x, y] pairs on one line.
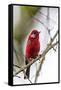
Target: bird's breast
[[32, 49]]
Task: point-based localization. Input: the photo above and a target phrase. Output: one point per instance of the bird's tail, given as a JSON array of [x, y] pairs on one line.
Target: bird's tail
[[27, 74]]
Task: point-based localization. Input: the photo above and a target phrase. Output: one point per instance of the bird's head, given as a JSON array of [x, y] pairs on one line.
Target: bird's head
[[34, 34]]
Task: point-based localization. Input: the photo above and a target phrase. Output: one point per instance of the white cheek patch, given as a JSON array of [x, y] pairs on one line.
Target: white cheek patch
[[33, 35]]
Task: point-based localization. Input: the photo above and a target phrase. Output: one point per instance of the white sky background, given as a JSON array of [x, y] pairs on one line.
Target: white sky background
[[49, 72]]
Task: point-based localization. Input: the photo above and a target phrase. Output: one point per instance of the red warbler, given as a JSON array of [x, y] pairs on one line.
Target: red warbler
[[32, 49]]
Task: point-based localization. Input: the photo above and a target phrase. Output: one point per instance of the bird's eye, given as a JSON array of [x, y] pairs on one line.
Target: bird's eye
[[34, 32]]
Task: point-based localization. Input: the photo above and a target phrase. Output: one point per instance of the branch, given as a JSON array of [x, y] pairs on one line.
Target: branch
[[47, 16], [54, 37], [23, 72], [38, 70], [16, 55], [19, 66], [41, 63], [40, 56]]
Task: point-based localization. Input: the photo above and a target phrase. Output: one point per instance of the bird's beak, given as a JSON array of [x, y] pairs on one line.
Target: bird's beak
[[33, 36]]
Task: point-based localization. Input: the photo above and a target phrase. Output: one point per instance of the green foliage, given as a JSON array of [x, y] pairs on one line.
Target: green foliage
[[22, 29], [31, 10]]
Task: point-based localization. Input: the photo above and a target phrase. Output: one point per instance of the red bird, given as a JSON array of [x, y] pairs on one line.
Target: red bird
[[32, 49]]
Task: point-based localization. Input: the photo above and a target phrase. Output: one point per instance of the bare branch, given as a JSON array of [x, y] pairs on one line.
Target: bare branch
[[47, 16], [41, 63], [54, 36], [38, 70], [16, 55], [23, 72], [40, 56]]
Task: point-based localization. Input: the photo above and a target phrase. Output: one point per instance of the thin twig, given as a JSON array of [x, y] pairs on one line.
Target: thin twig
[[47, 16], [41, 23], [54, 37], [16, 55], [38, 70]]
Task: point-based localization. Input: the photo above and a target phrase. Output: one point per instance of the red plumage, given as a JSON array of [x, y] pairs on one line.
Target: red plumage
[[32, 48]]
